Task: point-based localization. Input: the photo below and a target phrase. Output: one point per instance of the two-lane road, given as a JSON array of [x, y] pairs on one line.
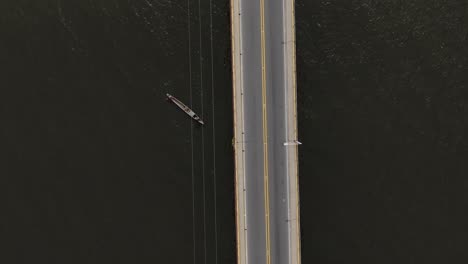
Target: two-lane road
[[265, 118]]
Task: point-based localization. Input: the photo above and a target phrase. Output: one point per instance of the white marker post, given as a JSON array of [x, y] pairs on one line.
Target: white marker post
[[292, 143]]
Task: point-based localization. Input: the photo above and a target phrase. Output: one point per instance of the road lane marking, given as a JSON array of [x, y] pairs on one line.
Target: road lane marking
[[265, 133]]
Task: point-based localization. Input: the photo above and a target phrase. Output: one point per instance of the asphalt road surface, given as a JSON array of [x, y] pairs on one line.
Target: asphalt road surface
[[265, 110]]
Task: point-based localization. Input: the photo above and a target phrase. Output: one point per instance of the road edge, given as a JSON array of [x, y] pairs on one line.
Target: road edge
[[293, 173], [238, 142]]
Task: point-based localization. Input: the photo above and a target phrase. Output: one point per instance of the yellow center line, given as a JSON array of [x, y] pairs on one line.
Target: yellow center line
[[265, 133]]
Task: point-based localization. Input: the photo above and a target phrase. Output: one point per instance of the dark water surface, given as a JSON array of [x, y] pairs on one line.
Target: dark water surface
[[95, 166], [383, 115]]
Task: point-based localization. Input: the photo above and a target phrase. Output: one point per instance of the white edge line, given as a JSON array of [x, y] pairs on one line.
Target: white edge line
[[286, 82]]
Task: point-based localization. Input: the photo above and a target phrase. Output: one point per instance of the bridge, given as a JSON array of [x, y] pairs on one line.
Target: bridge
[[265, 136]]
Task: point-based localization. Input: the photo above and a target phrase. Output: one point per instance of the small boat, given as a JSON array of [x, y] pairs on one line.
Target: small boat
[[185, 108]]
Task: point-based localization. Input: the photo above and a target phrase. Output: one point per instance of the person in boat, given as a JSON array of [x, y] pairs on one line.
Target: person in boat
[[196, 117]]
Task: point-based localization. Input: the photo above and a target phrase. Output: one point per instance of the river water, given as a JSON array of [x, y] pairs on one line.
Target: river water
[[382, 90], [96, 167]]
